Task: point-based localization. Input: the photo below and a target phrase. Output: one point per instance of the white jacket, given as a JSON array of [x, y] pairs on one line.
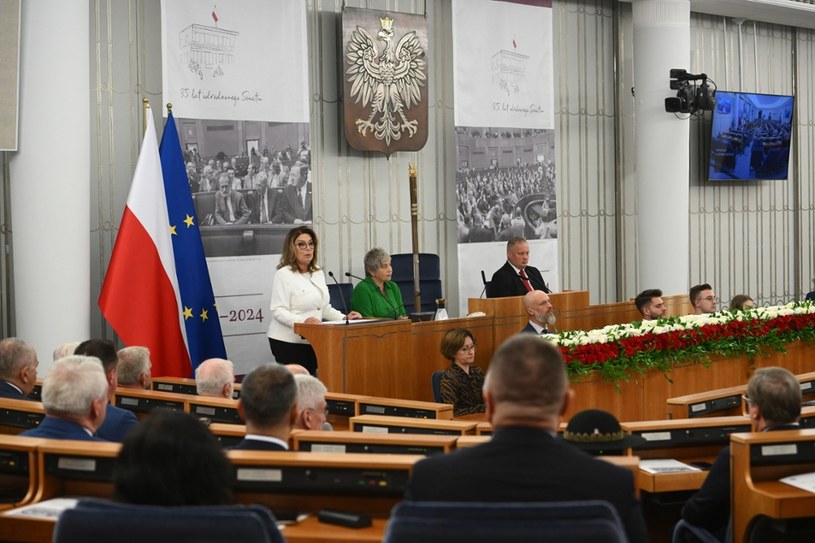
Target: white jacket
[[295, 297]]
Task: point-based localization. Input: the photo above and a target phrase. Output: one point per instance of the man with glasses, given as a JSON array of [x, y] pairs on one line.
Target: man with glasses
[[311, 405], [268, 405], [539, 309], [773, 400], [703, 299]]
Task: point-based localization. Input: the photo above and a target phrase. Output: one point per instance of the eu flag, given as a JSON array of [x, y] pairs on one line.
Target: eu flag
[[201, 322]]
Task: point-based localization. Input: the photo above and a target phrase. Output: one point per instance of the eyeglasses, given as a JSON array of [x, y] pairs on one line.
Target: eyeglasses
[[746, 399], [468, 348], [303, 245]]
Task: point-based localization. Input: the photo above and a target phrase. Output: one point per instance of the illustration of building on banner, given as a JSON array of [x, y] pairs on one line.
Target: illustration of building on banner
[[509, 70], [206, 49]]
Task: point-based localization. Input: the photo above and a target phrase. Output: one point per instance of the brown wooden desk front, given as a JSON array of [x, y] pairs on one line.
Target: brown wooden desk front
[[758, 461], [392, 359]]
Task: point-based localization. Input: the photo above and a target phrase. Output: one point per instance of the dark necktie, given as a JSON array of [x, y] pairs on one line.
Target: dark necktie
[[527, 284]]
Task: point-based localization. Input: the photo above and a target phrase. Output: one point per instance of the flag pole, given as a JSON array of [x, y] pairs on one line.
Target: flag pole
[[414, 226], [145, 112]]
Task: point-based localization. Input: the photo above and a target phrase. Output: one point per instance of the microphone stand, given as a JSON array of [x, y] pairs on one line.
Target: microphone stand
[[394, 309], [342, 297]]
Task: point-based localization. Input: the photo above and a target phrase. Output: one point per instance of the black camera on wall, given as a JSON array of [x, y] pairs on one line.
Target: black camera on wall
[[690, 97]]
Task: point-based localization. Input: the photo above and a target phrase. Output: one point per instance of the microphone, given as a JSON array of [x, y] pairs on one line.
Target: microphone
[[342, 296], [483, 280], [394, 309]]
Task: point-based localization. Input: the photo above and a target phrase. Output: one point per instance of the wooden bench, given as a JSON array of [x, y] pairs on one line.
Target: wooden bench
[[372, 443], [406, 425]]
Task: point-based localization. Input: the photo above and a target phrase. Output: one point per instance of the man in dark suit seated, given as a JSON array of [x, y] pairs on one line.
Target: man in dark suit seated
[[75, 397], [268, 405], [515, 278], [264, 203], [774, 400], [541, 316], [118, 421], [18, 368], [526, 392], [295, 202]]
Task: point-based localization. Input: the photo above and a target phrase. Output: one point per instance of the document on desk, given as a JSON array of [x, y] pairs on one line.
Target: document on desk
[[48, 509], [666, 465], [355, 321], [804, 481]]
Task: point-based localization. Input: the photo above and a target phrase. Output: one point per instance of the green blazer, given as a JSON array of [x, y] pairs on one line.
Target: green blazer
[[370, 302]]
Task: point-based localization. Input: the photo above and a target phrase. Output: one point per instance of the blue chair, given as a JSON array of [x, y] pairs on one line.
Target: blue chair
[[340, 296], [429, 279], [534, 522], [98, 520], [435, 382]]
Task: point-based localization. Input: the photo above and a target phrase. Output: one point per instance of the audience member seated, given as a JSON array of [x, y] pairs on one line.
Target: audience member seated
[[515, 277], [527, 392], [215, 377], [230, 206], [75, 398], [18, 368], [66, 349], [172, 459], [598, 433], [297, 369], [650, 304], [312, 409], [134, 368], [703, 299], [774, 401], [268, 405], [462, 382], [377, 295], [118, 421], [741, 301], [540, 311]]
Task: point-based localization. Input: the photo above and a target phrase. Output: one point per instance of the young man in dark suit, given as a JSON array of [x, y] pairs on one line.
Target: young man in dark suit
[[526, 392], [515, 277], [268, 405]]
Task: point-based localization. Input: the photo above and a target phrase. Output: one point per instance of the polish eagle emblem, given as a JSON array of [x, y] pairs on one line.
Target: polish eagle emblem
[[390, 81]]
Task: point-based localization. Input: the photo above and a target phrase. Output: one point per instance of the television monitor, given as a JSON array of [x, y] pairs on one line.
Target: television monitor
[[750, 136]]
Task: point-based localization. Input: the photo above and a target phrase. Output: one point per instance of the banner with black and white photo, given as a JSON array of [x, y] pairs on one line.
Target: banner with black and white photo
[[505, 122], [236, 74]]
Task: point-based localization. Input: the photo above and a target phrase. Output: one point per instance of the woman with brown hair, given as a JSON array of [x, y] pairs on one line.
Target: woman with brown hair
[[462, 382]]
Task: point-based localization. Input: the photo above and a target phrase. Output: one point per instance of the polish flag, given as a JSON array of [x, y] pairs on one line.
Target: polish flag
[[214, 15], [139, 295]]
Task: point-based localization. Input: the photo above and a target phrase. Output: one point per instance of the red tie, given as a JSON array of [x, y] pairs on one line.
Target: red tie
[[527, 284]]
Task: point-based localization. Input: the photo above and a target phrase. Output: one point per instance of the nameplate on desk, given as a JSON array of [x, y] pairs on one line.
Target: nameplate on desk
[[374, 430], [201, 410], [779, 450], [76, 464], [373, 410], [695, 408], [164, 387], [128, 401], [656, 436], [260, 475], [806, 386], [328, 447]]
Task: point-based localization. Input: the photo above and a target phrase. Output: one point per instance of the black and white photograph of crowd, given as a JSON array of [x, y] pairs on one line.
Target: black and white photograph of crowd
[[505, 184]]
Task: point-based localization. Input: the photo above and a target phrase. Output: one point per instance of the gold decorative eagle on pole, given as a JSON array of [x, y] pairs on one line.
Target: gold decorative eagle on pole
[[385, 92]]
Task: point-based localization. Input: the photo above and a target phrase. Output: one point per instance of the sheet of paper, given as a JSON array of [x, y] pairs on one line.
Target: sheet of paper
[[667, 465], [804, 481], [48, 509]]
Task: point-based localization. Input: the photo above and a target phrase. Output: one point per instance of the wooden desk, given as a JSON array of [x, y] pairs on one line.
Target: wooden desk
[[18, 470], [310, 481], [223, 410], [142, 402], [313, 531], [719, 402], [370, 443], [394, 407], [75, 468], [686, 440], [386, 358], [406, 425], [758, 461], [19, 415]]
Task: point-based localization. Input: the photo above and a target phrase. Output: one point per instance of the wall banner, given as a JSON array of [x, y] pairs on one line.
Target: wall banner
[[504, 117], [237, 76]]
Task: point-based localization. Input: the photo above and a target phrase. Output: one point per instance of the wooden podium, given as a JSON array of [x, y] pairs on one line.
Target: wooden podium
[[390, 358]]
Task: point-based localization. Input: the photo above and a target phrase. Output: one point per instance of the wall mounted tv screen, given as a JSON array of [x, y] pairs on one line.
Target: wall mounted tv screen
[[750, 136]]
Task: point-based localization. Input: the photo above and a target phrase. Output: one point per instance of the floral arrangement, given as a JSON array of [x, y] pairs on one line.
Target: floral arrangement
[[620, 350]]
